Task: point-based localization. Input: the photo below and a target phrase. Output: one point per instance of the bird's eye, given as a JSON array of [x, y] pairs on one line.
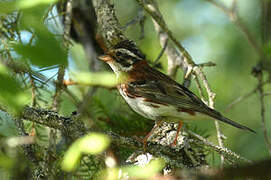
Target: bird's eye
[[118, 53]]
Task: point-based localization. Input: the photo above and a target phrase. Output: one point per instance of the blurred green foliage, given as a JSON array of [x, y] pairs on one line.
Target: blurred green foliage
[[12, 96], [10, 6], [7, 125], [105, 79], [154, 166], [46, 51], [92, 143], [136, 171]]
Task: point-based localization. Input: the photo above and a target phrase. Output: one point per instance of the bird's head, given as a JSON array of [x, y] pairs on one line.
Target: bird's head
[[123, 56]]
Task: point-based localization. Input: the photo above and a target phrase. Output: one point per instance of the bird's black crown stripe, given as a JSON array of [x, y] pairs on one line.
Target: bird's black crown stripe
[[131, 46]]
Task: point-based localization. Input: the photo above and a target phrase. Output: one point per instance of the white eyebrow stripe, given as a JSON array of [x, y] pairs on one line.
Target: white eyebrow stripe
[[125, 51]]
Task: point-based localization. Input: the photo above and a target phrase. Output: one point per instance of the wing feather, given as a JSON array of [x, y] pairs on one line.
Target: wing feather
[[164, 92]]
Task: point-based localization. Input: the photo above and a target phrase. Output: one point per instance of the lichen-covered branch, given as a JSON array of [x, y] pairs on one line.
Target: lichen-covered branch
[[108, 23], [70, 127], [74, 128], [221, 150]]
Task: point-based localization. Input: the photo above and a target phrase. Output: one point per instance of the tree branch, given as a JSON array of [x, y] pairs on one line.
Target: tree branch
[[69, 126], [109, 25], [261, 91], [72, 127]]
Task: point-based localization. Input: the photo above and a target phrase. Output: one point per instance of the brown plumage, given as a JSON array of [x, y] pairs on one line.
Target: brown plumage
[[153, 94]]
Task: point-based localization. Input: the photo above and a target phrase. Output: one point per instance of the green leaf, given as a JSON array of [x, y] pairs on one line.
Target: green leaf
[[106, 79], [7, 7], [78, 55], [10, 6], [7, 125], [109, 174], [24, 4], [46, 51], [93, 143], [6, 162], [267, 49], [147, 171], [12, 96], [71, 158]]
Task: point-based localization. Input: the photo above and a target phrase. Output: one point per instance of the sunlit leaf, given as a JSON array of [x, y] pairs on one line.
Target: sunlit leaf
[[92, 143], [110, 174], [6, 162], [46, 51], [71, 158], [10, 6], [7, 126], [78, 56], [33, 18], [147, 171], [7, 7], [23, 4], [267, 49], [96, 79], [11, 94]]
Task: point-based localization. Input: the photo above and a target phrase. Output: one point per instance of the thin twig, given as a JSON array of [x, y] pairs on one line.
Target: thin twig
[[67, 22], [61, 70], [159, 20], [161, 53], [72, 96], [33, 90], [139, 17], [267, 94], [175, 58], [266, 138], [221, 150], [211, 97], [200, 89], [59, 85], [207, 64], [245, 96], [235, 18]]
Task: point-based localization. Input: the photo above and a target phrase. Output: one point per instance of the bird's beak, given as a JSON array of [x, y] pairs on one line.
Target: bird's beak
[[105, 58]]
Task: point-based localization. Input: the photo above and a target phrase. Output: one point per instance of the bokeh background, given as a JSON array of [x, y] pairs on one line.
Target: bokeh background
[[206, 33]]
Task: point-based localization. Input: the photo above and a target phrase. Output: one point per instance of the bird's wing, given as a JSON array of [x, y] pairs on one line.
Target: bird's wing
[[167, 93], [159, 88]]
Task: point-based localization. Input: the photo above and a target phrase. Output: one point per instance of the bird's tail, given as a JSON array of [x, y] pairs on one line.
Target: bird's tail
[[219, 117]]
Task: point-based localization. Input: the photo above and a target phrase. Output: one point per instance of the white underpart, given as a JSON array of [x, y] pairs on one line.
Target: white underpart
[[144, 108]]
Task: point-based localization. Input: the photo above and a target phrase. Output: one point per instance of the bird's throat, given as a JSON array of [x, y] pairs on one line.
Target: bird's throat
[[122, 77]]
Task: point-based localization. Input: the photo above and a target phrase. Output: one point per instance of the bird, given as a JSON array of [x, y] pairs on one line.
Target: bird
[[153, 94]]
